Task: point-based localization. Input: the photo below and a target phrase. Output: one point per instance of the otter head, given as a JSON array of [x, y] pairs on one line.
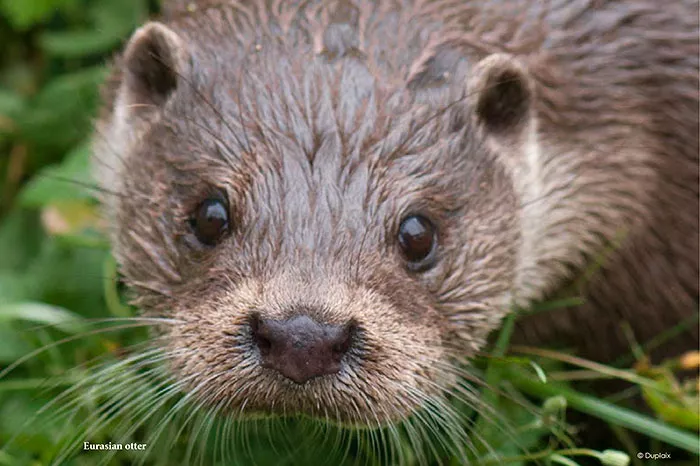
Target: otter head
[[325, 243]]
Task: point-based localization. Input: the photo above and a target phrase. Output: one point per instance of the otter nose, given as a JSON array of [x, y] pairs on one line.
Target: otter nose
[[301, 348]]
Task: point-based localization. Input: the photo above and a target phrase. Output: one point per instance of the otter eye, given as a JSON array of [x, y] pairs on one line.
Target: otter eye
[[417, 240], [210, 221]]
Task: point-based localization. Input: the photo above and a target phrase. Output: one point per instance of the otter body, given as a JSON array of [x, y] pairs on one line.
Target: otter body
[[334, 201]]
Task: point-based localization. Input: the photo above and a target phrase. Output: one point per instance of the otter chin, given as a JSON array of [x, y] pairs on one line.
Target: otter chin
[[335, 203]]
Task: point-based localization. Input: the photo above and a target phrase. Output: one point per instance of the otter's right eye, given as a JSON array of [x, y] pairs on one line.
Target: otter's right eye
[[210, 221], [417, 238]]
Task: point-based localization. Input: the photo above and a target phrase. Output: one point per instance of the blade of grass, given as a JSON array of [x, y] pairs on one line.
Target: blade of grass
[[608, 412], [661, 338], [42, 313], [36, 383], [629, 376], [494, 372]]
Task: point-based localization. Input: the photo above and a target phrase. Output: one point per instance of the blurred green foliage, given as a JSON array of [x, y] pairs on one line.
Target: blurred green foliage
[[57, 276], [52, 61], [52, 56], [52, 266]]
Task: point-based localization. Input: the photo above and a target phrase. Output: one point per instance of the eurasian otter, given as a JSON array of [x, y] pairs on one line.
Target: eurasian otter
[[335, 201]]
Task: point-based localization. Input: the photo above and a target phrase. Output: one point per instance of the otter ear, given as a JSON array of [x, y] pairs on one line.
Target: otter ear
[[153, 61], [501, 92]]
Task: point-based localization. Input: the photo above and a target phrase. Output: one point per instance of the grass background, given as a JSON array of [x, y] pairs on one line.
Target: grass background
[[57, 277]]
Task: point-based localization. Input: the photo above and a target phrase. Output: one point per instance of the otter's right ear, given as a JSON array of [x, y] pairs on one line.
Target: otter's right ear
[[501, 95], [153, 61]]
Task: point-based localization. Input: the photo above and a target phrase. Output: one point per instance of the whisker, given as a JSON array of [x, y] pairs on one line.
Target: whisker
[[69, 392], [114, 384], [69, 339], [101, 320], [83, 184]]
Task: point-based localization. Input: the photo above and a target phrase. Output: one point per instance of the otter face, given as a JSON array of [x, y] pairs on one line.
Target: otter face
[[324, 243]]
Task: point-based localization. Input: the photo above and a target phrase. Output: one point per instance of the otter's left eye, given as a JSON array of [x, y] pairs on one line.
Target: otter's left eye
[[417, 238], [210, 221]]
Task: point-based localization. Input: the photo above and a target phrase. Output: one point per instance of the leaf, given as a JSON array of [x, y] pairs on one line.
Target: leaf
[[60, 115], [539, 371], [111, 22], [119, 17], [608, 412], [69, 277], [559, 459], [12, 287], [20, 237], [23, 14], [75, 44], [69, 218], [36, 437], [10, 105], [13, 345], [676, 408], [60, 182], [42, 313]]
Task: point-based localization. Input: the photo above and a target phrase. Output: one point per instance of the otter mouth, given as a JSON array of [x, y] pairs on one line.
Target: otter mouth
[[300, 367], [325, 400], [306, 368], [339, 355]]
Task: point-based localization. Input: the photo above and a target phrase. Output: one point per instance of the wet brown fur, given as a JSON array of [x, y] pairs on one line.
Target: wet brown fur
[[327, 122]]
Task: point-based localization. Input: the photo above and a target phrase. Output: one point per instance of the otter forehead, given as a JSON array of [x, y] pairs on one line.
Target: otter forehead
[[315, 107], [314, 155], [393, 41], [300, 180], [321, 148]]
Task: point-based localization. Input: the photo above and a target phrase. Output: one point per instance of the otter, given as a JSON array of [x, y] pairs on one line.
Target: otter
[[333, 203]]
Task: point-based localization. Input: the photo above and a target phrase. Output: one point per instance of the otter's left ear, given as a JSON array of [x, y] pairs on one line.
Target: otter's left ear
[[153, 61], [502, 94]]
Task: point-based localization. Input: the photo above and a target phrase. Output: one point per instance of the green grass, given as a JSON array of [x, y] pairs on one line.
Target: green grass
[[65, 372]]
